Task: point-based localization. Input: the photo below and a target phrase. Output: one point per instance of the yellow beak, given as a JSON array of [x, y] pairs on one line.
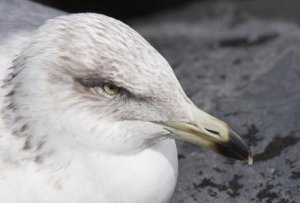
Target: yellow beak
[[210, 132]]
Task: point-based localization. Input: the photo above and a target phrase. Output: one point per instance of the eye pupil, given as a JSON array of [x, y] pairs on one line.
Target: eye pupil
[[111, 87]]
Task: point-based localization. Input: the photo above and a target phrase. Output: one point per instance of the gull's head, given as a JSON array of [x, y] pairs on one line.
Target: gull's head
[[95, 83]]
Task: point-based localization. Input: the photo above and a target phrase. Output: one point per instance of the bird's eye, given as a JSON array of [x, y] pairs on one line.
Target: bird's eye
[[110, 89]]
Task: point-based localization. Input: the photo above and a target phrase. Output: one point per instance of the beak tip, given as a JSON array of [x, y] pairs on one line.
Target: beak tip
[[235, 148], [250, 160]]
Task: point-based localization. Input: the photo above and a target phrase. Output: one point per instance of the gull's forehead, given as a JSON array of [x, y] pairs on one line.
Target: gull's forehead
[[93, 45]]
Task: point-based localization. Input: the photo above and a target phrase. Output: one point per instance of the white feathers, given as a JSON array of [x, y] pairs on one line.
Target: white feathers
[[61, 142]]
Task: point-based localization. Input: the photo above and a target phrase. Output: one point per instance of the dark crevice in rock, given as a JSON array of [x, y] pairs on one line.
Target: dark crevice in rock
[[250, 135], [246, 41], [219, 170], [194, 197], [237, 61], [295, 175], [207, 182], [276, 146], [267, 194], [200, 173], [235, 113], [232, 190], [245, 77], [290, 163], [212, 193], [235, 186]]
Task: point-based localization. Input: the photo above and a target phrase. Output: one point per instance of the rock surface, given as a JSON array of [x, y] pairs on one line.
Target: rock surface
[[243, 70], [22, 16], [247, 72]]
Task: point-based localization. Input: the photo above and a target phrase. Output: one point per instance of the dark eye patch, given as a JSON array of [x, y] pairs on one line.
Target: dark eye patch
[[90, 82], [93, 82], [97, 82]]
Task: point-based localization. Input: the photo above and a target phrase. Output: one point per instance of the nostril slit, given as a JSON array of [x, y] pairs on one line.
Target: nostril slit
[[212, 131]]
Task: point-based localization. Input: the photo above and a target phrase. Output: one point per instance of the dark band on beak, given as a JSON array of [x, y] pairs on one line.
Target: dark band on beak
[[234, 148], [210, 132]]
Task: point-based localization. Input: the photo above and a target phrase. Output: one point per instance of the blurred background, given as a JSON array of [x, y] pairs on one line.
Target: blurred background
[[127, 9]]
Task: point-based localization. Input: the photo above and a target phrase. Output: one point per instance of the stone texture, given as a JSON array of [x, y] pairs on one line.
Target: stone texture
[[247, 72], [22, 15], [239, 68]]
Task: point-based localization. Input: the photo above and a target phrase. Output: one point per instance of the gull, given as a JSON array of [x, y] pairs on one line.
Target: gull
[[89, 113]]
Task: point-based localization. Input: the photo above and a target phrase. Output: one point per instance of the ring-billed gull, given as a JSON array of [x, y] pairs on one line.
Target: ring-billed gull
[[89, 113]]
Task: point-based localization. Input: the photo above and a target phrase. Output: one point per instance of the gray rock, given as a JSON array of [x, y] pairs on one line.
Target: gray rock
[[247, 72], [22, 16], [242, 69]]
